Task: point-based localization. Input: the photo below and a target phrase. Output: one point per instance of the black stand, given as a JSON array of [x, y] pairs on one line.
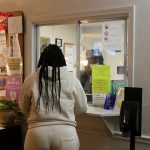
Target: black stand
[[132, 141], [131, 114]]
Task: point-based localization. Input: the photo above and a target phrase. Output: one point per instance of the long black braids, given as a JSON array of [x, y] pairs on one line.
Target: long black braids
[[51, 56], [56, 88]]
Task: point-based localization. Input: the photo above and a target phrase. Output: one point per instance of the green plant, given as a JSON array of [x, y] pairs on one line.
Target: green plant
[[8, 105]]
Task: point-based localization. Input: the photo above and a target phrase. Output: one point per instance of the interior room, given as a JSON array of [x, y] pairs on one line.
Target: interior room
[[105, 46]]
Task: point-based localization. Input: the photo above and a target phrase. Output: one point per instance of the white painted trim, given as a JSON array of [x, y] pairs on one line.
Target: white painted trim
[[131, 45], [30, 48], [76, 16]]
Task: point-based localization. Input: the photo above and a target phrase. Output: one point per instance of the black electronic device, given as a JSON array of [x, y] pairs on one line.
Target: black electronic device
[[131, 114], [134, 94]]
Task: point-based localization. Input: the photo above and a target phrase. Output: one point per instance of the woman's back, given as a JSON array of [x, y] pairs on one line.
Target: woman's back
[[50, 98]]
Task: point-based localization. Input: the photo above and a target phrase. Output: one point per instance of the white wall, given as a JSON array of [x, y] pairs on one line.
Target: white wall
[[142, 33]]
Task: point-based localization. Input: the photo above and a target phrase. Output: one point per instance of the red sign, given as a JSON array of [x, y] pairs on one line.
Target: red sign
[[4, 20]]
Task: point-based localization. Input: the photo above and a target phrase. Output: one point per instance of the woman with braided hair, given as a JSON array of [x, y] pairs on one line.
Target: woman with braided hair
[[50, 98]]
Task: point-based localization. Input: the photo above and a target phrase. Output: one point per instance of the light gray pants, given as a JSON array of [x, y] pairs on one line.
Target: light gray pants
[[54, 137]]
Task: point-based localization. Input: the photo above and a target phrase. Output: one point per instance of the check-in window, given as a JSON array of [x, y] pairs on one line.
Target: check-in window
[[95, 51]]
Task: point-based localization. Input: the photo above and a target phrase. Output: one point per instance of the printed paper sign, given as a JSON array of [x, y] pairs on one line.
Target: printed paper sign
[[111, 35], [15, 25], [69, 56]]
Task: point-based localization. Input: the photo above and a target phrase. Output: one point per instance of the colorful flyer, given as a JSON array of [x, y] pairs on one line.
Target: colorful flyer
[[13, 87], [100, 79]]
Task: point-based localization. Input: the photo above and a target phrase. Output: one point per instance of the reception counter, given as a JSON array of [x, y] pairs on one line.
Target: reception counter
[[96, 128]]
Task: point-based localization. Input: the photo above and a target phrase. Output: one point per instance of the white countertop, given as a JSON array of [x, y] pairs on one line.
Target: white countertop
[[98, 111], [1, 128]]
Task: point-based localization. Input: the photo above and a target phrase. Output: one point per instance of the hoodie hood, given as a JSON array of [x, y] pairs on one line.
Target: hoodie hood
[[63, 72]]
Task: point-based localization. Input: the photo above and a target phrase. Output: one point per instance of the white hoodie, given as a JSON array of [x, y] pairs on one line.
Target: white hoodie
[[72, 100]]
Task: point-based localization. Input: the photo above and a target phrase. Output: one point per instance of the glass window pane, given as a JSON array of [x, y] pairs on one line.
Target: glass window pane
[[64, 36], [103, 43]]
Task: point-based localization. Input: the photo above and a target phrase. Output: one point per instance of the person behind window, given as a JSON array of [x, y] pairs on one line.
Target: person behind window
[[50, 97], [86, 75]]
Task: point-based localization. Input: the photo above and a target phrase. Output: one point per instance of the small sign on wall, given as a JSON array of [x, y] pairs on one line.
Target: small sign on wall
[[15, 25], [120, 70], [111, 35], [69, 53]]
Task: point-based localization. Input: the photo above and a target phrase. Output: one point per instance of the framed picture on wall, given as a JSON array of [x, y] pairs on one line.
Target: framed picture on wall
[[58, 42], [44, 42]]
